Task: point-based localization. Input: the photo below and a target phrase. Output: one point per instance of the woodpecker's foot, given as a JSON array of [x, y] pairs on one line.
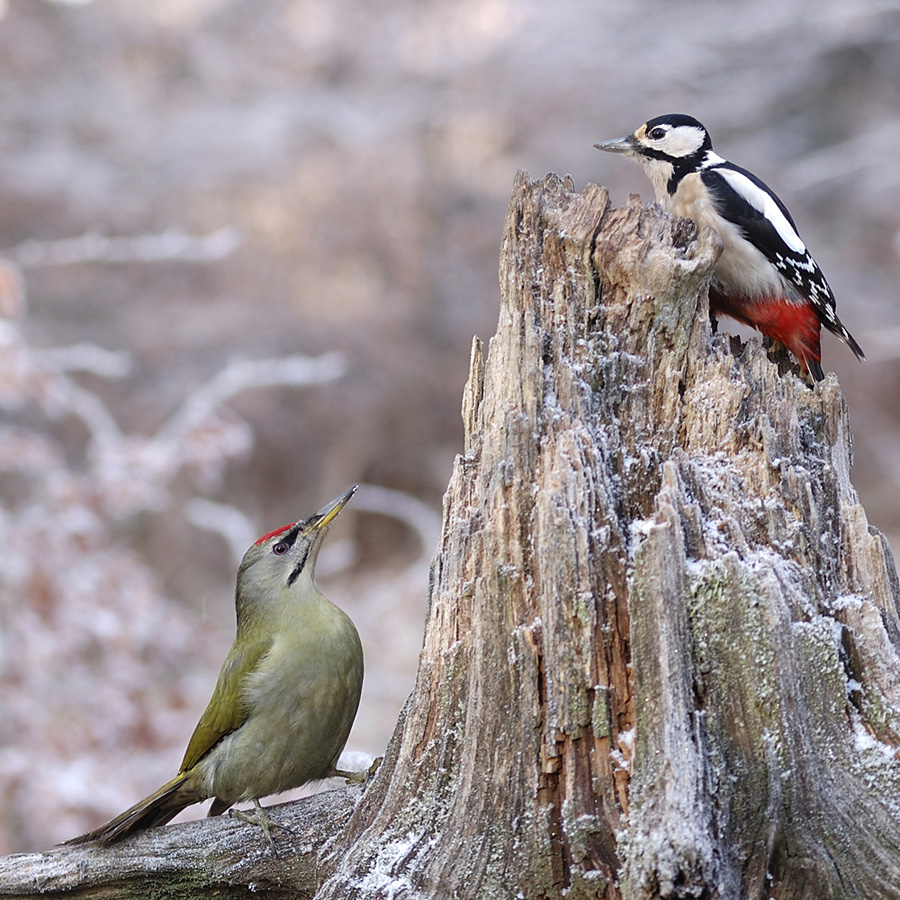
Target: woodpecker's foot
[[362, 778], [369, 774], [259, 816]]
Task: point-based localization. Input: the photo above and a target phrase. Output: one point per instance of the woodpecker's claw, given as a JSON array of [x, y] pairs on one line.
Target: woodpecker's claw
[[259, 816], [362, 778]]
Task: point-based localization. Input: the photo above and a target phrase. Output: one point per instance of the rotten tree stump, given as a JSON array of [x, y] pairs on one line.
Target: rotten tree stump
[[661, 650], [661, 653]]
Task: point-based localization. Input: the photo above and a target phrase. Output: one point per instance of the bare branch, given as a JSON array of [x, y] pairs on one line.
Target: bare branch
[[220, 857], [93, 247]]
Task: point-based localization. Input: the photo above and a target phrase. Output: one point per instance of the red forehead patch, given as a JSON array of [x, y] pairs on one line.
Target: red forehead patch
[[274, 533]]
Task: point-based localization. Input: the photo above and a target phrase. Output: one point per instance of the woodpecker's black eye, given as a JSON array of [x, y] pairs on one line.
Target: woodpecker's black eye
[[281, 547], [657, 134]]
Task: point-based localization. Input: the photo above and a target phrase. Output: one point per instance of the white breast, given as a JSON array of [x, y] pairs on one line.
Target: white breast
[[743, 271]]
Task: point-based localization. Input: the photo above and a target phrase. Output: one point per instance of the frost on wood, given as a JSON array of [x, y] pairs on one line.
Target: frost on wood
[[218, 857], [661, 651]]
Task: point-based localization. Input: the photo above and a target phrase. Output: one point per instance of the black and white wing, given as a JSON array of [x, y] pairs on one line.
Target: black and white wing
[[749, 203]]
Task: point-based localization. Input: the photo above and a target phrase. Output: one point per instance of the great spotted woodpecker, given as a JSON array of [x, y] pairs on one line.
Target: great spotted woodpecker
[[765, 277]]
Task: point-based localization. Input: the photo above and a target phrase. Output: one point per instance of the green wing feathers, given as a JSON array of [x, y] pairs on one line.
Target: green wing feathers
[[226, 711]]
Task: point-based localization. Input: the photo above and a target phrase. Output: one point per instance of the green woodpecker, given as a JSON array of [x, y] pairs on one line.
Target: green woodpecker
[[287, 694]]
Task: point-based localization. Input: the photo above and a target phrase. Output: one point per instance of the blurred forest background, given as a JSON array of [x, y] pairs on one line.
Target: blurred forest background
[[244, 247]]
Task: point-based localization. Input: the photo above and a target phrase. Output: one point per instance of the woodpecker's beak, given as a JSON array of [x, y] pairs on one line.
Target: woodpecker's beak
[[324, 517], [619, 145]]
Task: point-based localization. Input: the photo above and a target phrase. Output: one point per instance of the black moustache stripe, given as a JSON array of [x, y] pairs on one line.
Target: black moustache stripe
[[295, 574]]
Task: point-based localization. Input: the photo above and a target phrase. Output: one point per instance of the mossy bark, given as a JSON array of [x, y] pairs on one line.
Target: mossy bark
[[660, 656]]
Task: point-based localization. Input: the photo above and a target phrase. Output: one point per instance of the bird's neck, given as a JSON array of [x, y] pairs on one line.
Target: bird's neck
[[284, 607], [660, 172]]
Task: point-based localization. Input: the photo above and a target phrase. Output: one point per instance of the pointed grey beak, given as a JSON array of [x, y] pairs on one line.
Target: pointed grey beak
[[323, 518], [618, 145]]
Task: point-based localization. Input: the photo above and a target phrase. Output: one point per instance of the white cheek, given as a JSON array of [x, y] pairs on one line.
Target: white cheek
[[682, 141]]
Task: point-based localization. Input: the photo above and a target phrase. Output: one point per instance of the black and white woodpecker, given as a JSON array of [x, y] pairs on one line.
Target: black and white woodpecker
[[765, 277]]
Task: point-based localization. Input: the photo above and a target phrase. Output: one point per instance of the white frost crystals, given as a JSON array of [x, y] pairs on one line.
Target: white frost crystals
[[383, 878]]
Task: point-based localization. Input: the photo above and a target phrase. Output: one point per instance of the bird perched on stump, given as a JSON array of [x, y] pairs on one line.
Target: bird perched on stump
[[765, 276], [287, 694]]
